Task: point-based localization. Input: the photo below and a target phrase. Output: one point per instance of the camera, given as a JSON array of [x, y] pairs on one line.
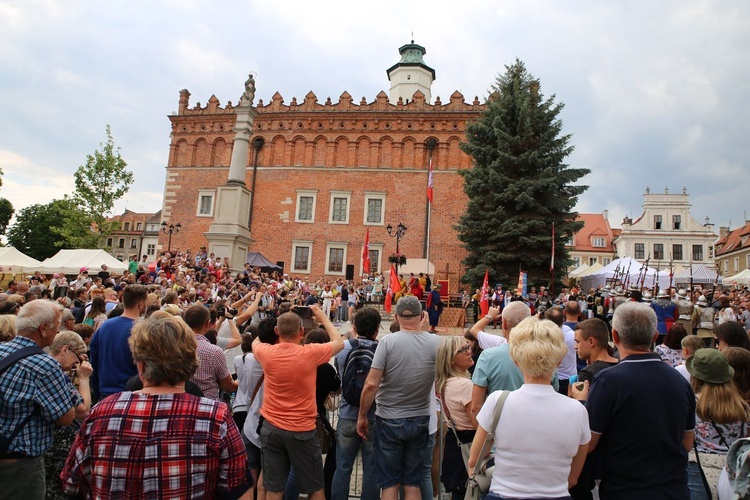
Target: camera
[[303, 311], [222, 311]]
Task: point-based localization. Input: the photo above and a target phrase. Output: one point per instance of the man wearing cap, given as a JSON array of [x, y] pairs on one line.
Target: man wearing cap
[[402, 379], [641, 414], [666, 313]]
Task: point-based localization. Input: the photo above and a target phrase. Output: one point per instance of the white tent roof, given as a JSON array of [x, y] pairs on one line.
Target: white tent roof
[[742, 278], [578, 270], [591, 270], [628, 271], [71, 262], [701, 274], [12, 260]]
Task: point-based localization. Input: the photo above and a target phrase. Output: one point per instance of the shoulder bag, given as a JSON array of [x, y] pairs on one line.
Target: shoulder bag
[[480, 478]]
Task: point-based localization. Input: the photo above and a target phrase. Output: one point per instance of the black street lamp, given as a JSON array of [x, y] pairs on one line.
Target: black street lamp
[[398, 234], [170, 229]]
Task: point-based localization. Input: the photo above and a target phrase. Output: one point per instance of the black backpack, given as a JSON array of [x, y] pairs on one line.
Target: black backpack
[[356, 368]]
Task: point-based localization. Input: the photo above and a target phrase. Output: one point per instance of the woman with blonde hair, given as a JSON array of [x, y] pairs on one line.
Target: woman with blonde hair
[[7, 327], [453, 385], [541, 438], [196, 436], [721, 414]]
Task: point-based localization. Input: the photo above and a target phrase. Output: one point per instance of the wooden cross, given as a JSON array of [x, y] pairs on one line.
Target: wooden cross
[[448, 271]]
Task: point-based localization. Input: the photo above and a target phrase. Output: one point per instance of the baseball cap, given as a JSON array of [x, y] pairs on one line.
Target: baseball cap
[[408, 307]]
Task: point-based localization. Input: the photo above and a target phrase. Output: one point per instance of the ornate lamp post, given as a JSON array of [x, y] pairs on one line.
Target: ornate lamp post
[[170, 229], [398, 234]]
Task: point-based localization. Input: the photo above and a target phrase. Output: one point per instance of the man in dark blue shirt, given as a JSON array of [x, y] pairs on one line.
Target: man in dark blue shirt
[[641, 414]]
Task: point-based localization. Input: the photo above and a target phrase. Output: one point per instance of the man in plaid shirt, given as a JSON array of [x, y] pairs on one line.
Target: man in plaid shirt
[[36, 386]]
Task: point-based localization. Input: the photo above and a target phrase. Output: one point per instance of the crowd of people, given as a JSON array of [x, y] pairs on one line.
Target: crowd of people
[[186, 380]]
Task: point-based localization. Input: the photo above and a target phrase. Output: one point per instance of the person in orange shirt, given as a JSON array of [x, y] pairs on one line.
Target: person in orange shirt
[[288, 435]]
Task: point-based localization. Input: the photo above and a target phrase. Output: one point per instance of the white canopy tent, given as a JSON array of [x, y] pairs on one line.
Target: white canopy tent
[[700, 274], [12, 260], [578, 270], [628, 270], [591, 270], [741, 279], [71, 262]]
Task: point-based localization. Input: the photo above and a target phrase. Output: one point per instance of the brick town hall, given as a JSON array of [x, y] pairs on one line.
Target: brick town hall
[[301, 182]]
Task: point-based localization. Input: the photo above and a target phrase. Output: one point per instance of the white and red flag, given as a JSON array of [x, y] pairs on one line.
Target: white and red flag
[[484, 302], [429, 183], [366, 253]]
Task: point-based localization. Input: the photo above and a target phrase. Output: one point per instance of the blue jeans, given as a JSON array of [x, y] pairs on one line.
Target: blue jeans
[[400, 446], [695, 482], [347, 445]]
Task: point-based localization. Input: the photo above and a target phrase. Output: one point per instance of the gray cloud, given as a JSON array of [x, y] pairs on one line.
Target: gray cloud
[[655, 94]]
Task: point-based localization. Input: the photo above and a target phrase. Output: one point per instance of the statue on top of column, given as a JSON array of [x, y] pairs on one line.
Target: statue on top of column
[[249, 95]]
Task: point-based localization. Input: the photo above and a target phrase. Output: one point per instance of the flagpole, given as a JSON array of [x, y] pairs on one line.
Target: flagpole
[[430, 143]]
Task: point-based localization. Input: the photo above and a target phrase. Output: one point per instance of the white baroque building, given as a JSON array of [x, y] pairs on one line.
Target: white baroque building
[[666, 231]]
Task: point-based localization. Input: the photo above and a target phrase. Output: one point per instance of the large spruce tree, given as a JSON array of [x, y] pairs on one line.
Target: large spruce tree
[[519, 184]]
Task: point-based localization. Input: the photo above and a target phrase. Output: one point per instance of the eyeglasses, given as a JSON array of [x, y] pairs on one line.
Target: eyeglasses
[[466, 349]]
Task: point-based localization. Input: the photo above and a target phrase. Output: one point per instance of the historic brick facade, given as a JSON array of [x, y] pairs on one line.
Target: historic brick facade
[[327, 161]]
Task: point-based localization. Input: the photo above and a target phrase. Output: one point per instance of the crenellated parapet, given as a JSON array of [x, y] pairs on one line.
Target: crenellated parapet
[[374, 134], [310, 103]]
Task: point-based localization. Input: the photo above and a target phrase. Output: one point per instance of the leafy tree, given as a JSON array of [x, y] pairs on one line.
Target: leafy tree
[[519, 185], [30, 233], [102, 181], [6, 209]]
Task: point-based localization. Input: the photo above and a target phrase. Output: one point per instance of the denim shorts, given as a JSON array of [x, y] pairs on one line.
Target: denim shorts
[[400, 446]]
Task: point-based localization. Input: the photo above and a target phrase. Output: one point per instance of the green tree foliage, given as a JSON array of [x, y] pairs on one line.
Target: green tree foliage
[[35, 233], [6, 209], [102, 181], [519, 184]]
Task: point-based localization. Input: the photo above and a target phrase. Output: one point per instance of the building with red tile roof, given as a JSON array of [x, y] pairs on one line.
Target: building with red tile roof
[[593, 243], [733, 250]]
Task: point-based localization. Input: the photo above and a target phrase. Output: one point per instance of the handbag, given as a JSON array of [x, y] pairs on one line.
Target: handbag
[[324, 437], [481, 476]]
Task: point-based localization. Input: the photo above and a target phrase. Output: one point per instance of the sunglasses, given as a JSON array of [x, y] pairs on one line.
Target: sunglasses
[[466, 349]]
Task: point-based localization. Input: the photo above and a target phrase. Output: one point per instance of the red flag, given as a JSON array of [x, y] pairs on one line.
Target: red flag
[[552, 260], [366, 253], [484, 302], [429, 182], [393, 287]]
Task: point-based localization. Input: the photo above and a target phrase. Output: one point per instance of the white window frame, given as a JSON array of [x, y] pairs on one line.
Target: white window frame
[[139, 226], [747, 261], [110, 243], [370, 195], [121, 243], [593, 260], [606, 261], [736, 264], [598, 242], [661, 256], [133, 243], [301, 243], [337, 245], [205, 192], [379, 248], [339, 194], [576, 262], [151, 249], [726, 266], [301, 193]]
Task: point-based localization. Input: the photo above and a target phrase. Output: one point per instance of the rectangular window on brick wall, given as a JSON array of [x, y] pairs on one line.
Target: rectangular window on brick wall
[[374, 208], [205, 203], [336, 258], [301, 255], [677, 252], [640, 251], [659, 251], [374, 261], [305, 211], [339, 209]]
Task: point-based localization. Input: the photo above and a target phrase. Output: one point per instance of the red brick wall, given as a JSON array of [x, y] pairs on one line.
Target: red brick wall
[[327, 147]]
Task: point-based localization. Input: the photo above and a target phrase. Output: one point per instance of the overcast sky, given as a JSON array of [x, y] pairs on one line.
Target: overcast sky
[[657, 94]]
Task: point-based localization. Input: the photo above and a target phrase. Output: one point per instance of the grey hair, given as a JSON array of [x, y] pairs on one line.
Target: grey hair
[[69, 338], [515, 312], [635, 323], [35, 314]]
